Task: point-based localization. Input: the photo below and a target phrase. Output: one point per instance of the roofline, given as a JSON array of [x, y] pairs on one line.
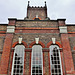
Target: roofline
[[70, 24], [61, 19], [35, 20], [28, 6], [12, 18], [4, 24]]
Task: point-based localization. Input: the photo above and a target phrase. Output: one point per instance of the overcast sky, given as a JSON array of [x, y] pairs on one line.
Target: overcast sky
[[56, 9]]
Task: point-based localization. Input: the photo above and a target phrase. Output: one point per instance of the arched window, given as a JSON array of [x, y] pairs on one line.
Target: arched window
[[37, 60], [18, 60], [55, 60]]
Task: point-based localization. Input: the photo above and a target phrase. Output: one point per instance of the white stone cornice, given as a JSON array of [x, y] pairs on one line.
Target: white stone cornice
[[63, 29], [10, 29]]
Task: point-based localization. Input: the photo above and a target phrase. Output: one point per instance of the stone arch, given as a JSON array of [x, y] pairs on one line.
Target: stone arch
[[40, 43], [38, 18], [57, 43], [24, 43]]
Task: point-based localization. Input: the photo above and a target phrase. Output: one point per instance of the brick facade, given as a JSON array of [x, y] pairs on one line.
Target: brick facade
[[31, 28]]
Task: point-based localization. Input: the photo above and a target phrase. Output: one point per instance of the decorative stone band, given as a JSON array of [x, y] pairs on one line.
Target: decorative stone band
[[63, 29], [43, 49], [10, 29]]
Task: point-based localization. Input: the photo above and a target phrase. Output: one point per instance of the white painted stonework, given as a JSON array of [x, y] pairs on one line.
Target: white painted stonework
[[10, 29], [63, 29], [53, 40], [20, 40], [36, 16], [37, 40]]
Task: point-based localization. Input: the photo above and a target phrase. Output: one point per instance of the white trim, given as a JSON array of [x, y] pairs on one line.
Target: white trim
[[63, 29], [13, 63], [53, 40], [60, 63], [20, 40], [10, 29], [37, 40], [36, 16]]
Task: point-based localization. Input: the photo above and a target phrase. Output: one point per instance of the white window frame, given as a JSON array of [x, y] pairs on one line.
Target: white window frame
[[59, 57], [14, 58], [41, 58]]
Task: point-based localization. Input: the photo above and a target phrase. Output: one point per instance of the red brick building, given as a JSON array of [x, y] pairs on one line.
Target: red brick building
[[37, 45]]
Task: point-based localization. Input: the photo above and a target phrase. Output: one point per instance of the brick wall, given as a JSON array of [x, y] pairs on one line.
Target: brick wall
[[29, 29], [73, 54], [2, 38], [1, 43], [32, 12], [46, 64], [71, 28], [72, 43], [6, 54], [41, 29], [45, 24], [2, 27], [0, 56], [30, 37], [68, 61], [27, 63]]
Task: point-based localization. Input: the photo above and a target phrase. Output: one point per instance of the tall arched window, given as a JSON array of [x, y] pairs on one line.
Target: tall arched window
[[18, 60], [55, 60], [37, 60]]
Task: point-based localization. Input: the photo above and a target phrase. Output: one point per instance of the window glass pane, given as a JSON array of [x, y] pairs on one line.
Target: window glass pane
[[55, 60], [37, 60], [18, 60]]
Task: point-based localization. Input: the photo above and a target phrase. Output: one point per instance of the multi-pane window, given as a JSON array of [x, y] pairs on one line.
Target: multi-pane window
[[37, 60], [55, 60], [18, 60]]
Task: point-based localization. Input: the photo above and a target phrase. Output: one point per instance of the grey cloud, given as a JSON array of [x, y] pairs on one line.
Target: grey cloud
[[56, 9]]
